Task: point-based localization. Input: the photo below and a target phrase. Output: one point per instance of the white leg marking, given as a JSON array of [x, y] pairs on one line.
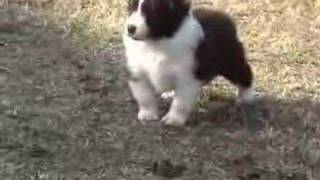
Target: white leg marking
[[186, 94], [247, 95], [145, 96]]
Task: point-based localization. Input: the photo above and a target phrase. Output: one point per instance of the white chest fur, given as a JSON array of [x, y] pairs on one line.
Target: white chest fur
[[163, 61]]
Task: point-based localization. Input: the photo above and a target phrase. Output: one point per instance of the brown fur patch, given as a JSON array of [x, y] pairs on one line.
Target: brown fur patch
[[221, 52]]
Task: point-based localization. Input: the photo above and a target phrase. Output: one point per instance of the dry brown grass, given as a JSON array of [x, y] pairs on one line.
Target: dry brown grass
[[93, 22], [98, 21], [288, 27]]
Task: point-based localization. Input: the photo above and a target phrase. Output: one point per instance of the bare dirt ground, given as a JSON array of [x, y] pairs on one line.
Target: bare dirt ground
[[66, 114]]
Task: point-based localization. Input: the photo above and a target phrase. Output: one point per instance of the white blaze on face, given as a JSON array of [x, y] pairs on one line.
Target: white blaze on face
[[138, 21]]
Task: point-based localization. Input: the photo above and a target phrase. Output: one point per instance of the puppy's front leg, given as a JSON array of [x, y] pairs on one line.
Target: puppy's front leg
[[145, 95], [186, 94]]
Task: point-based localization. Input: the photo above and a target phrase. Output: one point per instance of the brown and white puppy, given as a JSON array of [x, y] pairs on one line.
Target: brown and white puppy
[[170, 47]]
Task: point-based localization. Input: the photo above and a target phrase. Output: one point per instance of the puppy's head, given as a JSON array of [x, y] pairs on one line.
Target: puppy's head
[[155, 19]]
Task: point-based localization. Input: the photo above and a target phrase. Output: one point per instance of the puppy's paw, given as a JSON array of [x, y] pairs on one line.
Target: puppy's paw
[[248, 96], [175, 121], [167, 95], [147, 115]]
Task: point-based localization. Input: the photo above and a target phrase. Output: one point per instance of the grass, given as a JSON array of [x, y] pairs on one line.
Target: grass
[[66, 112]]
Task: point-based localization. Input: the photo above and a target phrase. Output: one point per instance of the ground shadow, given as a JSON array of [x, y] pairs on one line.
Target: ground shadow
[[269, 124]]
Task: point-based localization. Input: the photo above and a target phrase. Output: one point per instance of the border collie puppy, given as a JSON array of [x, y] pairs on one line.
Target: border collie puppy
[[169, 47]]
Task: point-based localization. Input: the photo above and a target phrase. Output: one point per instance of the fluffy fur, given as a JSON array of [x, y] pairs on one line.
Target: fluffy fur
[[170, 47]]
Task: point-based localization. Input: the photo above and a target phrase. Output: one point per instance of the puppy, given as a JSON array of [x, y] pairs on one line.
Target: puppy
[[169, 47]]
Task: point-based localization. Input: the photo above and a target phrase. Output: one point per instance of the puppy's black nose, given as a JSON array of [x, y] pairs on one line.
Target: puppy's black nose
[[132, 29]]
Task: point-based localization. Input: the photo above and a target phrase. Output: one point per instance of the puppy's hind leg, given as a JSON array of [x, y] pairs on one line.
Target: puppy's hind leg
[[240, 74]]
